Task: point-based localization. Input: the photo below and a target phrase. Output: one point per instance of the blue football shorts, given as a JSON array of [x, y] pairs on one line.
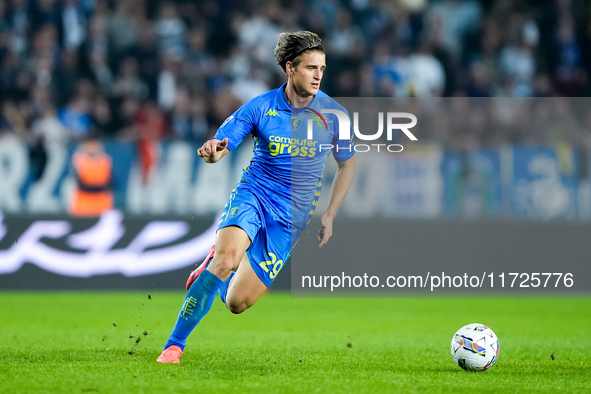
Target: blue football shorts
[[272, 237]]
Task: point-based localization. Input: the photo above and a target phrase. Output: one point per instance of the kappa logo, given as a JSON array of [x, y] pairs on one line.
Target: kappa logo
[[272, 112]]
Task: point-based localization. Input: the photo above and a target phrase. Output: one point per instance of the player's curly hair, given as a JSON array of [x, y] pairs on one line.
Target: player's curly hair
[[292, 45]]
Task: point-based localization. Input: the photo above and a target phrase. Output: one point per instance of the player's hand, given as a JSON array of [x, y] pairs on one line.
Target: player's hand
[[325, 229], [210, 151]]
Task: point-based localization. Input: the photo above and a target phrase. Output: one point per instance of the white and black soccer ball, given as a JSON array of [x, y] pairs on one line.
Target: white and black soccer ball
[[475, 347]]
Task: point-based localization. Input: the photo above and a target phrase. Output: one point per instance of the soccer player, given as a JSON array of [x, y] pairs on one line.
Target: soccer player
[[277, 193]]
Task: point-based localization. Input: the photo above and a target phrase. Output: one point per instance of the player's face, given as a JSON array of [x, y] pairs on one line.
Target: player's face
[[308, 74]]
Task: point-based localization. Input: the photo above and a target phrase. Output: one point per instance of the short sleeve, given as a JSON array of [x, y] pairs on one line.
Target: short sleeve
[[237, 126], [343, 149]]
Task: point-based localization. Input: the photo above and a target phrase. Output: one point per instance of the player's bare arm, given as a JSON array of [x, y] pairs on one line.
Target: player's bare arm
[[340, 187], [213, 150]]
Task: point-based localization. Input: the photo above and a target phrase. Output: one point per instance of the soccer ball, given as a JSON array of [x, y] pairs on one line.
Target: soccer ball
[[475, 347]]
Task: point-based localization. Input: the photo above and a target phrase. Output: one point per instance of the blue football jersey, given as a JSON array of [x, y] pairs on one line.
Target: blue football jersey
[[287, 166]]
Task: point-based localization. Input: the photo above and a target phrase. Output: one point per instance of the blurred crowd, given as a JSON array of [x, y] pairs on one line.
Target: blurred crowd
[[142, 70]]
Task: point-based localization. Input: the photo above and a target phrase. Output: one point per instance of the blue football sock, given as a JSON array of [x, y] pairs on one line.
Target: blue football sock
[[223, 291], [196, 305]]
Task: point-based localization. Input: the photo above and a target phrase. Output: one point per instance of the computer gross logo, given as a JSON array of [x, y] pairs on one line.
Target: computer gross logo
[[297, 146]]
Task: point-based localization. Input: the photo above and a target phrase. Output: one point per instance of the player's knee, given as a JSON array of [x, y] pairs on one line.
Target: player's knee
[[236, 308], [220, 268], [225, 262]]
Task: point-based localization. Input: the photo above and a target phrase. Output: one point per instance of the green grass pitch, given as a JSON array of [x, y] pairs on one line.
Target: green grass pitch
[[82, 342]]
